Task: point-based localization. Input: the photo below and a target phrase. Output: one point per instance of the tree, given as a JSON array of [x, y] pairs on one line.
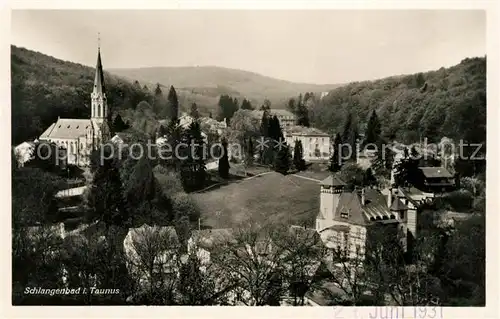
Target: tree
[[291, 105], [353, 175], [419, 80], [266, 106], [153, 261], [224, 161], [264, 124], [36, 262], [196, 287], [250, 153], [141, 190], [159, 103], [174, 133], [373, 129], [246, 105], [302, 254], [349, 137], [105, 199], [119, 125], [193, 170], [384, 159], [48, 157], [274, 130], [227, 107], [407, 173], [298, 156], [336, 159], [194, 111], [173, 104], [252, 263], [369, 178], [282, 160], [302, 114], [33, 192]]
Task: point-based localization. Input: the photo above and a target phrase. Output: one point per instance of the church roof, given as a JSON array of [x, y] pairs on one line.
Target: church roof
[[99, 76], [67, 129]]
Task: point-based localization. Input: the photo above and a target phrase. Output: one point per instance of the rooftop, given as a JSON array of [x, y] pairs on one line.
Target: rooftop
[[210, 238], [302, 130], [67, 129], [278, 112], [333, 180], [435, 172]]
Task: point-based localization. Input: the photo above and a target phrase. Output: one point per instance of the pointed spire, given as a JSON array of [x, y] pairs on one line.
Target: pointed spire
[[99, 74]]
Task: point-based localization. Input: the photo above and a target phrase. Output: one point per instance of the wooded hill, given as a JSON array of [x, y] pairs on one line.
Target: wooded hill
[[203, 84], [44, 88], [447, 102]]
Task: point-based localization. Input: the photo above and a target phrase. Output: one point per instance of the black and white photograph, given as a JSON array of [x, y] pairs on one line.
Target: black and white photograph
[[292, 158]]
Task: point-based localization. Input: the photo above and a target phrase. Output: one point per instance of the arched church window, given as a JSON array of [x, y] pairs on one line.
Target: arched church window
[[99, 110]]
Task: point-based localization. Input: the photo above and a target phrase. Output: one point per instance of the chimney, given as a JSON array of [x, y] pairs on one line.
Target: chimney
[[389, 198], [363, 196]]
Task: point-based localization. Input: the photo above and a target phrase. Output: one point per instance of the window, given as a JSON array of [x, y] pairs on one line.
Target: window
[[402, 215], [344, 213]]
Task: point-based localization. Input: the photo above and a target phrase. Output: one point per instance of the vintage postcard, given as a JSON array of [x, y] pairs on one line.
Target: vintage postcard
[[316, 159]]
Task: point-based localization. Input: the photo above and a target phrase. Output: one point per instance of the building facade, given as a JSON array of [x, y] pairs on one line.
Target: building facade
[[80, 136], [346, 218], [287, 119], [315, 143]]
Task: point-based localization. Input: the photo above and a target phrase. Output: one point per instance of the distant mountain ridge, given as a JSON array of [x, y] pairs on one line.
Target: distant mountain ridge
[[245, 84]]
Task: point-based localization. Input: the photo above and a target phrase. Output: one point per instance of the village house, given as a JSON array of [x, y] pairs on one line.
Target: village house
[[203, 242], [345, 218], [285, 117], [24, 152], [315, 143], [80, 136], [152, 251]]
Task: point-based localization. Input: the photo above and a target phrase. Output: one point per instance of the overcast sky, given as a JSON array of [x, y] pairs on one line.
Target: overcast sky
[[301, 46]]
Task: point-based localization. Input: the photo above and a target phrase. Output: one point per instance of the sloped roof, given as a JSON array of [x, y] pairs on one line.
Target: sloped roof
[[376, 205], [302, 130], [99, 76], [397, 205], [166, 233], [350, 204], [67, 129], [333, 180], [278, 112], [435, 172], [374, 209], [210, 238]]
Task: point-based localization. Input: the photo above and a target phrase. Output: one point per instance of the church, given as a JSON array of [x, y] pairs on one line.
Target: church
[[80, 136]]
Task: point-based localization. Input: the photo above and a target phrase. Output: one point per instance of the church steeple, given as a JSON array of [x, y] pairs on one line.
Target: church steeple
[[99, 103]]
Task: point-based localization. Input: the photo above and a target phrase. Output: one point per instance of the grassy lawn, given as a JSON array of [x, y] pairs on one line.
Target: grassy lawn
[[267, 198]]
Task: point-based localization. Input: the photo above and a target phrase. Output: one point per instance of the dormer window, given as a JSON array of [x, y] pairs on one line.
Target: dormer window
[[344, 213]]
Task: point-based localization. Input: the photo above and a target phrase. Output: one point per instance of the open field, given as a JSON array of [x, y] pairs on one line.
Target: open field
[[267, 198]]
